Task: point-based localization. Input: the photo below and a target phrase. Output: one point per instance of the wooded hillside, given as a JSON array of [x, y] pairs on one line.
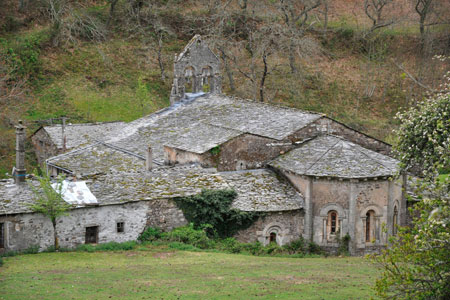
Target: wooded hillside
[[358, 61]]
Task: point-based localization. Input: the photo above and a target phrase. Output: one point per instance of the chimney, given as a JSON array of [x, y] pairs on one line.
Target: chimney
[[149, 159], [20, 153]]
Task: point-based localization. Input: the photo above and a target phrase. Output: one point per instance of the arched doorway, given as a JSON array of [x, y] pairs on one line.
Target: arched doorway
[[273, 237]]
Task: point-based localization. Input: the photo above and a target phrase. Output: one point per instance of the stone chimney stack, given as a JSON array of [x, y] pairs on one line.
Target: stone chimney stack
[[19, 176], [149, 159]]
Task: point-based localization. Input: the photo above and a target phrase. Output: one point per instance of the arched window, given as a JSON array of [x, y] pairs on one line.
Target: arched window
[[206, 79], [332, 222], [370, 225], [395, 221], [189, 79], [273, 237]]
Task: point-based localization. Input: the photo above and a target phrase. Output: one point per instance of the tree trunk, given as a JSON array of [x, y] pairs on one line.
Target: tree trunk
[[55, 236], [263, 79], [111, 12], [227, 69], [160, 62]]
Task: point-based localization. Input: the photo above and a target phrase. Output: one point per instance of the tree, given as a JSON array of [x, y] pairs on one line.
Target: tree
[[49, 201], [295, 16], [417, 264], [422, 7], [374, 10], [424, 134]]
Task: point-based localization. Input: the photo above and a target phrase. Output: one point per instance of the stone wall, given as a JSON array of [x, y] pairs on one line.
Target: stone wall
[[327, 125], [43, 146], [351, 199], [244, 152], [288, 226], [25, 230]]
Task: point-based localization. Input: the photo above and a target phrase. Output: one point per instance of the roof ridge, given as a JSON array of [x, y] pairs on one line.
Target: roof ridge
[[317, 160], [373, 159]]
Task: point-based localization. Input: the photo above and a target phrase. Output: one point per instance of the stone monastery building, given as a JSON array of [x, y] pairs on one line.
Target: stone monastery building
[[311, 175]]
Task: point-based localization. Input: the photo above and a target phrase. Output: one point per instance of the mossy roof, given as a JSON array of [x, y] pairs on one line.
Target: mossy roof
[[332, 156]]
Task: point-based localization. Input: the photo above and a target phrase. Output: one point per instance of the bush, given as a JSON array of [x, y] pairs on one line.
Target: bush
[[297, 246], [230, 245], [182, 247], [314, 248], [111, 246], [255, 248], [189, 235], [1, 261], [150, 234]]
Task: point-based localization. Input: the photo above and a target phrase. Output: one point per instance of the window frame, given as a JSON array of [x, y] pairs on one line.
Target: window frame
[[121, 228]]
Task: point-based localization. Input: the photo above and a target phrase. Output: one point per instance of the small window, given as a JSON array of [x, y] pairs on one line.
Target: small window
[[91, 235], [120, 227], [2, 235], [395, 221], [273, 237], [370, 226], [332, 222]]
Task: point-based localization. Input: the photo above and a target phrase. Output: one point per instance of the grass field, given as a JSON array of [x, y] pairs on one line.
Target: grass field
[[162, 274]]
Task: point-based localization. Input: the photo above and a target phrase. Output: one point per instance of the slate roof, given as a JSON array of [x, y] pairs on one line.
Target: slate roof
[[80, 134], [195, 126], [331, 156], [14, 198], [258, 190]]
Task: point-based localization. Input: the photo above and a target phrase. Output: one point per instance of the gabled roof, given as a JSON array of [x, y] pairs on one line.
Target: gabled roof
[[331, 156], [192, 43], [78, 135], [195, 126]]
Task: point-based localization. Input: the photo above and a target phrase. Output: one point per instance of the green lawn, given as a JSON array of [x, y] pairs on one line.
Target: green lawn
[[162, 274]]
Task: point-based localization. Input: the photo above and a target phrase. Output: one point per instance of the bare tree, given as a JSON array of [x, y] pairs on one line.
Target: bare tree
[[295, 16], [423, 7], [374, 10], [112, 6]]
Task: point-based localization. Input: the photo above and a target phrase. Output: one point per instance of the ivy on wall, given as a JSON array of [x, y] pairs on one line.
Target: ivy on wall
[[211, 209]]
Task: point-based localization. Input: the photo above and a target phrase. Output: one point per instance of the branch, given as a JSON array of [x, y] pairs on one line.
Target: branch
[[416, 81]]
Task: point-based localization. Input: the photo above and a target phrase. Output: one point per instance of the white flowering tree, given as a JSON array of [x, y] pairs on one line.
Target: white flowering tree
[[424, 134], [416, 265]]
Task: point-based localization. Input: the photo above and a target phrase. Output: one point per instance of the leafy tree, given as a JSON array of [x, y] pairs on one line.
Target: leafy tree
[[49, 201], [424, 135], [417, 263]]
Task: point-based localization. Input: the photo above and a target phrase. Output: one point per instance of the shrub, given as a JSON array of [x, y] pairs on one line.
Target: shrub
[[255, 248], [273, 248], [189, 235], [1, 261], [150, 234], [230, 245], [111, 246], [182, 247], [314, 248], [296, 246]]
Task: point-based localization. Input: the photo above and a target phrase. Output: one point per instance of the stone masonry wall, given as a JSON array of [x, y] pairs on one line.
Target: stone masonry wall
[[288, 226], [25, 230], [43, 146]]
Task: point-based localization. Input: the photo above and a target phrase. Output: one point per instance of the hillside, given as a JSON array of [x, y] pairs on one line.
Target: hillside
[[86, 65]]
